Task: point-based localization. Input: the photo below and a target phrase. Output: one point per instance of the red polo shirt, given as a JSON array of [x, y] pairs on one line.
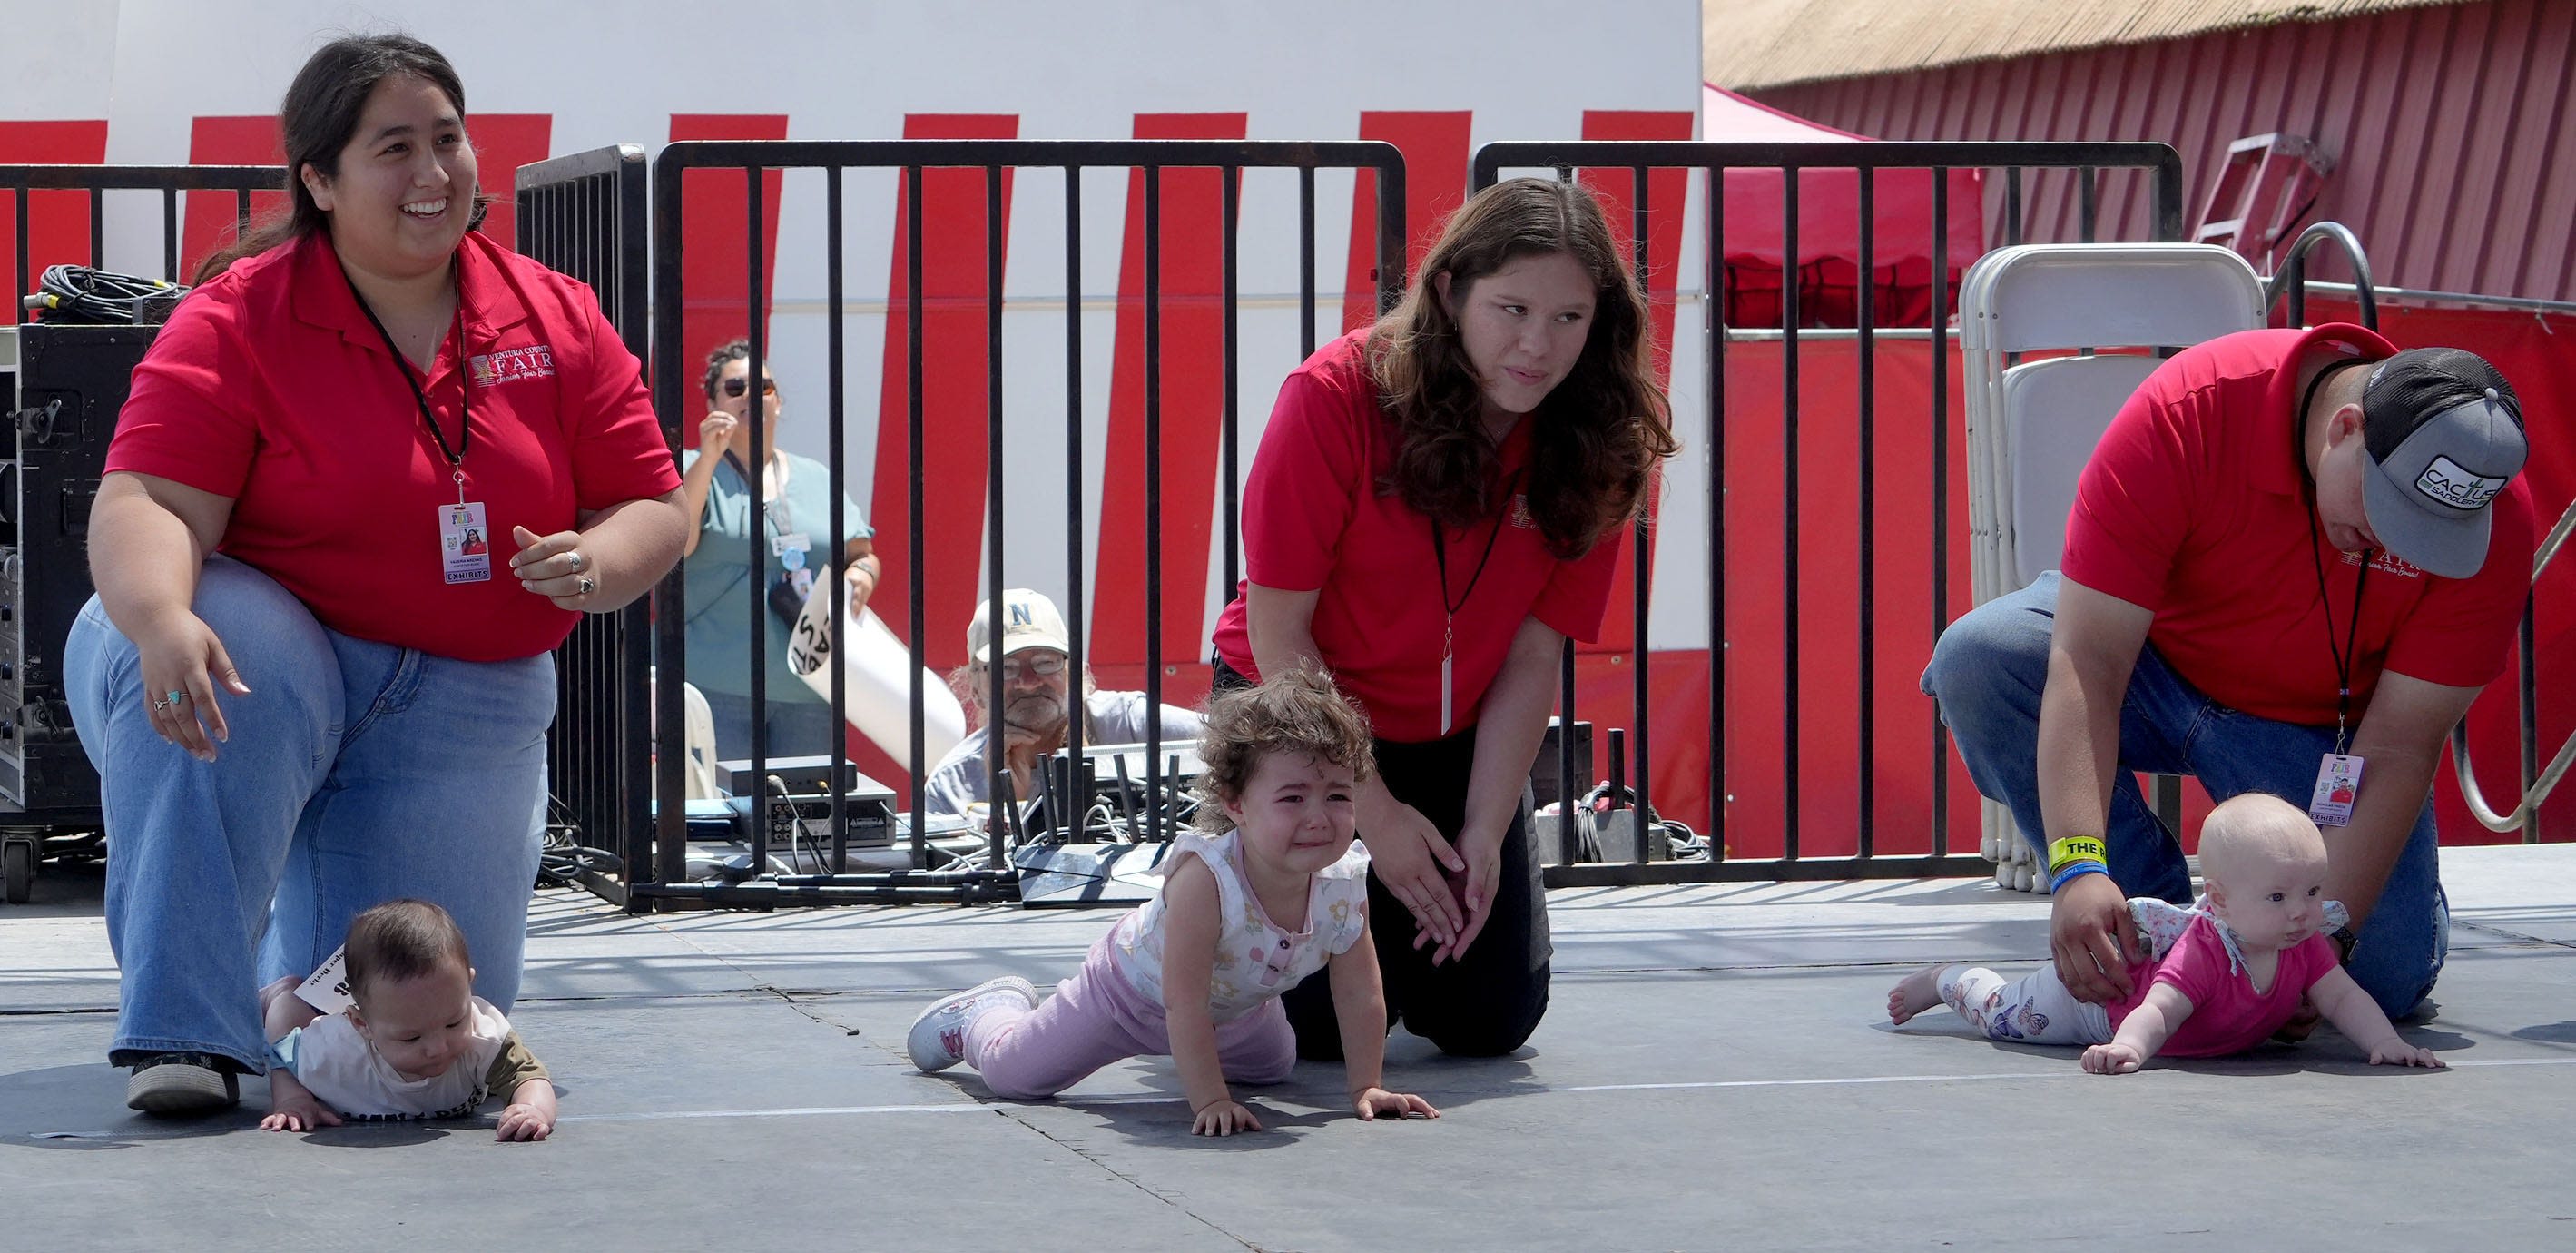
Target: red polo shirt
[[2194, 506], [1314, 520], [270, 387]]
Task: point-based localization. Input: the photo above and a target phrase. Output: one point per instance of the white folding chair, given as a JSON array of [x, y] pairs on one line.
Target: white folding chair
[[2032, 426]]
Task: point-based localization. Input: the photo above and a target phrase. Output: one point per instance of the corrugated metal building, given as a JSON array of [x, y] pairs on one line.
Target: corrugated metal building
[[2451, 131], [2444, 121]]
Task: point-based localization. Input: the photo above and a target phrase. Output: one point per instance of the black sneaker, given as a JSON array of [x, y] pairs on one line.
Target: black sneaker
[[182, 1084]]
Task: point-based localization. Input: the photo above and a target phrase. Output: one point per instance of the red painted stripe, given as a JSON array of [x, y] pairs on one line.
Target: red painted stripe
[[211, 214], [57, 223], [1435, 184], [954, 360], [1616, 191], [502, 143], [713, 269], [1193, 406]]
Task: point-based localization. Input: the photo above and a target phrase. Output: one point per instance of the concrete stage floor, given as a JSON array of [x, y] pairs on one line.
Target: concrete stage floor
[[1714, 1073]]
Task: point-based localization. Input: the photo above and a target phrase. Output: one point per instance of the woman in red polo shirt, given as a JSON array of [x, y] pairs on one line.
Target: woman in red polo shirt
[[1484, 443], [305, 689]]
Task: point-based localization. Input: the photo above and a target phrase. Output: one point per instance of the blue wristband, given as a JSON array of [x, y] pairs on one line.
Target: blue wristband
[[2074, 869]]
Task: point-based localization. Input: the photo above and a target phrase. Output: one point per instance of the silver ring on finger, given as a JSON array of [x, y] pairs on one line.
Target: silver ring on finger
[[587, 585], [159, 705], [575, 558]]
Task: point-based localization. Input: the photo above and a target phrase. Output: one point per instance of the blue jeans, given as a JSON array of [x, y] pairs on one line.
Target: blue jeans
[[1988, 671], [357, 772]]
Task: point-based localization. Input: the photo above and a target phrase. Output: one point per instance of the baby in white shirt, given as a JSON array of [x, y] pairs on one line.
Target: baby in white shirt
[[416, 1042]]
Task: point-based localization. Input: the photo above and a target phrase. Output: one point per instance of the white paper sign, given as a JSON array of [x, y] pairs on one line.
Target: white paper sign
[[328, 989]]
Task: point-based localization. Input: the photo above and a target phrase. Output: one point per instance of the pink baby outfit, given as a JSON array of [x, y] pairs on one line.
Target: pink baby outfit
[[1113, 1008]]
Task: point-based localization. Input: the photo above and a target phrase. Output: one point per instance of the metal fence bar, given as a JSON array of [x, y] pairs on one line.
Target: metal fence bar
[[837, 440], [1937, 160], [1005, 808], [1643, 264], [1154, 501], [753, 540], [1713, 352], [1076, 627], [1868, 516], [1940, 492], [1230, 476], [670, 641], [1789, 274], [920, 730]]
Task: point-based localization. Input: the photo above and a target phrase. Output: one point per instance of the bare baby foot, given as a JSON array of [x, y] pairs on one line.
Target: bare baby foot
[[1913, 994]]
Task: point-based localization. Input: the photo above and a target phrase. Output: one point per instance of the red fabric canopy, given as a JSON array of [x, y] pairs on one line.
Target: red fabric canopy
[[1829, 227]]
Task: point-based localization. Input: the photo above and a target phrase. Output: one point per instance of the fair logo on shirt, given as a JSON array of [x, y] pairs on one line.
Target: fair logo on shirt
[[512, 365], [2386, 562]]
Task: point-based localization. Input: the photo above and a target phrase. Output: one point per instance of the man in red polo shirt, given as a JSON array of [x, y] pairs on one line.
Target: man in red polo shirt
[[2293, 561]]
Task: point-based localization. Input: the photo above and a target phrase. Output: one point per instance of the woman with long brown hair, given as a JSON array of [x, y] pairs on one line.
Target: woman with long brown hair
[[1485, 443]]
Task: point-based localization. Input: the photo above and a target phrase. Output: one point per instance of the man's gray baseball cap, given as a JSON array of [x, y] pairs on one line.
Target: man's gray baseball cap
[[2443, 431]]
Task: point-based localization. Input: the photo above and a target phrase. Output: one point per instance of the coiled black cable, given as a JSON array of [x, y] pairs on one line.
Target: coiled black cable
[[81, 294]]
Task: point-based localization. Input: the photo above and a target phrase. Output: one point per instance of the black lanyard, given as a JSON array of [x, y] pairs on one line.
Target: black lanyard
[[1440, 555], [2346, 656], [2349, 654], [464, 415]]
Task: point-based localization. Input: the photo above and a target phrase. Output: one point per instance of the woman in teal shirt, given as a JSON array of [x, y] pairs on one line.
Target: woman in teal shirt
[[794, 515]]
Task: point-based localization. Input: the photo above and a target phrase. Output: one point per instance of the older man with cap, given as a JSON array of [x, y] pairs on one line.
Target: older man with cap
[[1037, 682], [2293, 561]]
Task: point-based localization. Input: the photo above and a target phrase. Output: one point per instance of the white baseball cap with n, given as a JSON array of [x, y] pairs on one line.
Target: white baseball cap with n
[[2444, 435], [1030, 620]]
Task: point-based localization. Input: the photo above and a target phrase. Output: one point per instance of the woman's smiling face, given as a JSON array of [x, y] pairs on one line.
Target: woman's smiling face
[[404, 194]]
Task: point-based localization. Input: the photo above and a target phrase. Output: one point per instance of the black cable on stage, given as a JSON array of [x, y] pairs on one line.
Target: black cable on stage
[[81, 294]]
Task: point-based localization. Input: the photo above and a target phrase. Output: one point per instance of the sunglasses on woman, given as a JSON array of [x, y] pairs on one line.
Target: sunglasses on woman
[[736, 387]]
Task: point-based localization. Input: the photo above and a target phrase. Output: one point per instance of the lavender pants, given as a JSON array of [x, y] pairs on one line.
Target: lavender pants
[[1094, 1019]]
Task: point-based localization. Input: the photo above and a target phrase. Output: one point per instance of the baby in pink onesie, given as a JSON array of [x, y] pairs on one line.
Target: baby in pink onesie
[[2226, 976]]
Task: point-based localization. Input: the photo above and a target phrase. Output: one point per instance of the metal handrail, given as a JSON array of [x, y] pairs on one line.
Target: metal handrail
[[2293, 275], [2535, 793]]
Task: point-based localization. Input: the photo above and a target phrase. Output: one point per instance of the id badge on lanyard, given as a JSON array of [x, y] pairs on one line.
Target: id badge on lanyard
[[464, 542], [2338, 783]]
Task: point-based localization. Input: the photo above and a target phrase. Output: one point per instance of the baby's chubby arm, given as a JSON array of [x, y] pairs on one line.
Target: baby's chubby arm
[[531, 1115], [1359, 1002], [2359, 1018], [291, 1106], [2143, 1032], [1190, 929]]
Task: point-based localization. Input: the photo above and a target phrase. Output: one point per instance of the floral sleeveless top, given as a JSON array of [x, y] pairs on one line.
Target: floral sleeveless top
[[1255, 959]]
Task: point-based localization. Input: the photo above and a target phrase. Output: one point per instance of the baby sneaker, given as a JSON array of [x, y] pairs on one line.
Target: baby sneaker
[[938, 1038]]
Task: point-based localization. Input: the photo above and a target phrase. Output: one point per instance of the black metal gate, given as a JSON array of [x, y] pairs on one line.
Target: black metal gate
[[2083, 161], [661, 877], [583, 215]]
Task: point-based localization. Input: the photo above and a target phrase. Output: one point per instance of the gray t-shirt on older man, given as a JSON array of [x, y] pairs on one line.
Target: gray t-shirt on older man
[[1116, 718]]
